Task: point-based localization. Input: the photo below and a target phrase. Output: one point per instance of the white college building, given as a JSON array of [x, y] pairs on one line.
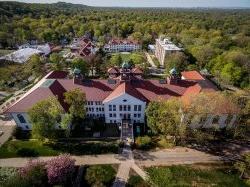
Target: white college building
[[118, 45], [123, 96], [164, 47]]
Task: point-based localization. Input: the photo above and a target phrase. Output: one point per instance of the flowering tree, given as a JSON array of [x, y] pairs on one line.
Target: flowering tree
[[34, 173], [60, 169]]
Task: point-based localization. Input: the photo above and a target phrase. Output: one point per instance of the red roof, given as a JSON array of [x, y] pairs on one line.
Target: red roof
[[123, 88], [57, 75], [137, 70], [192, 75], [112, 70], [48, 89], [100, 90], [122, 41]]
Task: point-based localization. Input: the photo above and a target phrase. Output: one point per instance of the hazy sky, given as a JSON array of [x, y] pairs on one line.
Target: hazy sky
[[154, 3]]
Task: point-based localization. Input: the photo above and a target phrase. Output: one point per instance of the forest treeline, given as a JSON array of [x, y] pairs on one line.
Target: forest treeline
[[215, 39]]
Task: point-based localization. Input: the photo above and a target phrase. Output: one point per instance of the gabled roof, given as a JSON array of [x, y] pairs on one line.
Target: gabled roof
[[127, 88], [192, 75], [137, 70], [112, 70], [49, 88]]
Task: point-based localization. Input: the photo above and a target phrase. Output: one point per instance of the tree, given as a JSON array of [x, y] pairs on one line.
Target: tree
[[137, 59], [60, 169], [57, 61], [116, 60], [176, 60], [76, 99], [165, 118], [79, 63], [44, 116], [243, 166], [100, 175], [34, 66], [203, 54]]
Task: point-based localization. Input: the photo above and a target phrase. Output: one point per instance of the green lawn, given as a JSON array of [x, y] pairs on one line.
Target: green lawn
[[21, 148], [126, 56], [11, 148], [194, 176]]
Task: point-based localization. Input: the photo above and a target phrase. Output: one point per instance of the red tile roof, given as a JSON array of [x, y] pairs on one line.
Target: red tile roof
[[104, 90], [137, 70], [113, 70], [122, 41], [125, 87], [57, 75], [192, 75], [43, 92]]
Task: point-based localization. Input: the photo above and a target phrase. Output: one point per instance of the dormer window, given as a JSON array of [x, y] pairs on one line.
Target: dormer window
[[124, 100], [21, 118]]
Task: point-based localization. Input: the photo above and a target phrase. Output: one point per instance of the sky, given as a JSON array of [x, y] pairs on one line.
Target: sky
[[152, 3]]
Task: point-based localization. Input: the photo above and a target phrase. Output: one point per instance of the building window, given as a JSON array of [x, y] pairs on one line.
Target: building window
[[124, 107], [128, 116], [114, 121], [110, 107], [110, 115], [111, 121], [120, 115], [139, 115], [139, 107], [135, 107], [102, 109], [97, 109], [114, 107], [21, 118], [129, 107], [114, 115], [120, 107], [91, 102], [135, 115]]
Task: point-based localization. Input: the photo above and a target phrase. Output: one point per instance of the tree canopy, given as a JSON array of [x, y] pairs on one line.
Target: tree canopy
[[44, 116]]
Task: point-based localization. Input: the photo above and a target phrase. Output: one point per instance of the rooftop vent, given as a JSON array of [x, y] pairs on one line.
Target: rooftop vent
[[162, 81], [47, 83], [111, 81]]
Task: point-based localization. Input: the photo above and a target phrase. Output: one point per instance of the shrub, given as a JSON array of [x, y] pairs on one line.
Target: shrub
[[164, 143], [60, 169], [16, 181], [6, 173], [100, 175], [136, 181], [34, 173], [27, 152], [143, 142]]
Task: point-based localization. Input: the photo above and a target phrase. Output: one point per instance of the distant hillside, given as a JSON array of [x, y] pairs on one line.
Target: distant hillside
[[10, 8]]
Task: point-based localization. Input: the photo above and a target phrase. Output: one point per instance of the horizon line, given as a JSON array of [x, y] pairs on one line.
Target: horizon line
[[158, 7]]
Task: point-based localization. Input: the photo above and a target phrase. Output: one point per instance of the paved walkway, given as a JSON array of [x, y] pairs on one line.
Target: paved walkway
[[7, 128], [129, 159], [124, 168]]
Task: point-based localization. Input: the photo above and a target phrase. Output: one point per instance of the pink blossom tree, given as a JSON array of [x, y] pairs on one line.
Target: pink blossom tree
[[60, 169]]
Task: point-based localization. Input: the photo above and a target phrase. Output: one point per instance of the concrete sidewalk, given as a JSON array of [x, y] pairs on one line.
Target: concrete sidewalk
[[141, 158]]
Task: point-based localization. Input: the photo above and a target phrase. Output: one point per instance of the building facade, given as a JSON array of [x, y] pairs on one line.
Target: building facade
[[163, 48], [123, 96], [117, 45]]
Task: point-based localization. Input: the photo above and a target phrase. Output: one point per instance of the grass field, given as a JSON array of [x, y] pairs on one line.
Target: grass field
[[22, 148], [194, 176]]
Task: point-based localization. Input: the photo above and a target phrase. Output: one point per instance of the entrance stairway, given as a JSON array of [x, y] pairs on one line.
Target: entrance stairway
[[127, 133]]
